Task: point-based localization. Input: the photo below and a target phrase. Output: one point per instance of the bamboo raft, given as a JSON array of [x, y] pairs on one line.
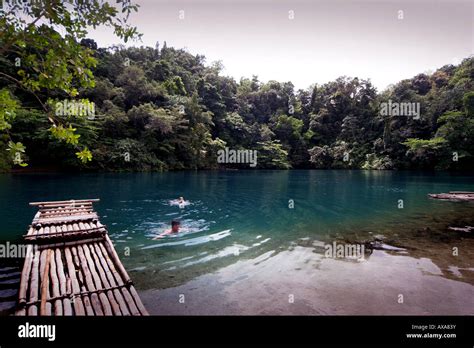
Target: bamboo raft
[[458, 196], [71, 266]]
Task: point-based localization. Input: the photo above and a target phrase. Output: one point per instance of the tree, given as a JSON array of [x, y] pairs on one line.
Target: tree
[[166, 109], [271, 155], [41, 43]]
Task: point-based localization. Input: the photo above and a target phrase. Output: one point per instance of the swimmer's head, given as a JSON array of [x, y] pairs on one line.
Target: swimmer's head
[[175, 224]]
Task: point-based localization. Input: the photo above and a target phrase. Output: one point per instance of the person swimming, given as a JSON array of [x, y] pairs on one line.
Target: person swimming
[[181, 202], [175, 226]]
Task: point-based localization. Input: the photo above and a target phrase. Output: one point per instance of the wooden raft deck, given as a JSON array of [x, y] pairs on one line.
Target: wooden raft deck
[[71, 266], [455, 196]]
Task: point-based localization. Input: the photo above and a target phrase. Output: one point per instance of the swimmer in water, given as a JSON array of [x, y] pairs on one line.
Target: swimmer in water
[[175, 226], [181, 202]]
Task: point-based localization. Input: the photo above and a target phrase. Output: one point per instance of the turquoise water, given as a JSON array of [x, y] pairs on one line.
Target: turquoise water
[[232, 215]]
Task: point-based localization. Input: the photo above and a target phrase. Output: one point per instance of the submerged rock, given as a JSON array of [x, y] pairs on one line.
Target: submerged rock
[[378, 245], [462, 229]]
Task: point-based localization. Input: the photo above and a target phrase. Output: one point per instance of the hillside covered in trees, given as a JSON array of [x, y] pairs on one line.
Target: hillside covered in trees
[[166, 109]]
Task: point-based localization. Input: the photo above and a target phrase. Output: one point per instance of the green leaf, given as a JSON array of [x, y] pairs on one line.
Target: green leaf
[[85, 155]]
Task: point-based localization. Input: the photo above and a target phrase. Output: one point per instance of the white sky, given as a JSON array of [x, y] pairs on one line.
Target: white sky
[[325, 40]]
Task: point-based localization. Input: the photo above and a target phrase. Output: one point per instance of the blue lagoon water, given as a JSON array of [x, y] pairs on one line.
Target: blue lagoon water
[[236, 215]]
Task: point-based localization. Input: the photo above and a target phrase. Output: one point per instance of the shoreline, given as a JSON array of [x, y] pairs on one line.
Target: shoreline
[[423, 236], [56, 170], [318, 286]]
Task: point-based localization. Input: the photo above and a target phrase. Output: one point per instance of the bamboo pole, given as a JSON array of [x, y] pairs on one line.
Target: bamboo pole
[[71, 218], [76, 211], [20, 312], [71, 243], [120, 281], [113, 255], [112, 279], [31, 231], [138, 301], [68, 310], [25, 275], [124, 274], [83, 206], [77, 300], [46, 306], [33, 310], [39, 230], [45, 216], [67, 234], [62, 210], [89, 282], [58, 304], [105, 283], [72, 201], [63, 282], [42, 266], [85, 297], [45, 282], [133, 293], [98, 284]]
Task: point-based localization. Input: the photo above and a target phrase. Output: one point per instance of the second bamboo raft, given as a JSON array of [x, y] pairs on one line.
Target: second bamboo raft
[[455, 196]]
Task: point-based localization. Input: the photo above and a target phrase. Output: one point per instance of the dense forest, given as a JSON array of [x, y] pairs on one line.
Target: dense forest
[[166, 109]]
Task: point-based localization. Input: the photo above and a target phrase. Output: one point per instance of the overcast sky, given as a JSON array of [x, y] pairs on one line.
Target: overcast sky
[[383, 40]]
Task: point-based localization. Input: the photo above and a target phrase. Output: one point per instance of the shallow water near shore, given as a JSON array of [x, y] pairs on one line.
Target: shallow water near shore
[[240, 223]]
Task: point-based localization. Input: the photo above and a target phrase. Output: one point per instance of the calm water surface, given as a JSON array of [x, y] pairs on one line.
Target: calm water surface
[[234, 215]]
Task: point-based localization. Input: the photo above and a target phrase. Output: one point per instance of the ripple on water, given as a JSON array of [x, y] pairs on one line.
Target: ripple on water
[[192, 241], [232, 250]]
